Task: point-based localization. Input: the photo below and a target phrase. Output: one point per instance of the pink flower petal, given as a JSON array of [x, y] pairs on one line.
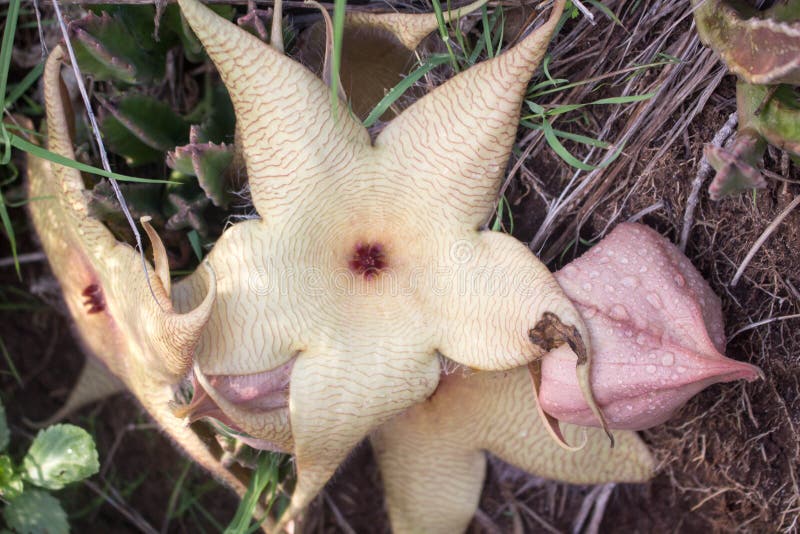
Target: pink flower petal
[[656, 330]]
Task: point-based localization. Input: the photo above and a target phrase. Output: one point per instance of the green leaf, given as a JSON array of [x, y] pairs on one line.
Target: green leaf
[[5, 435], [60, 455], [209, 162], [115, 48], [141, 129], [36, 512], [10, 482], [174, 21], [141, 200]]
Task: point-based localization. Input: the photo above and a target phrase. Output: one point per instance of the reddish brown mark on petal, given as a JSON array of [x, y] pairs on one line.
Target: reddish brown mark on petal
[[94, 300]]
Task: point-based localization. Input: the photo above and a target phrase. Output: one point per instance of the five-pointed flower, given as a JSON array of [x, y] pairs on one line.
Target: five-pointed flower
[[367, 259]]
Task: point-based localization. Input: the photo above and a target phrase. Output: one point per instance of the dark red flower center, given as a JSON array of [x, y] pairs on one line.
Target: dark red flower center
[[368, 259]]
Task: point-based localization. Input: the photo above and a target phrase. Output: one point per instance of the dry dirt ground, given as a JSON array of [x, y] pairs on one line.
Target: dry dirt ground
[[727, 462]]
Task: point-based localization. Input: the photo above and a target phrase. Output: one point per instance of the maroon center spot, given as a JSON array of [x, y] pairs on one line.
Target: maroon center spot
[[94, 299], [368, 259]]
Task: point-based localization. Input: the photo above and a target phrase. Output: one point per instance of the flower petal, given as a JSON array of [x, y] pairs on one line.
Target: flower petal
[[431, 458], [455, 141], [338, 398], [286, 122]]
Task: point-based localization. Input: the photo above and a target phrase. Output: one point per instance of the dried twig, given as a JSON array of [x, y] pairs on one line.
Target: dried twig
[[703, 172]]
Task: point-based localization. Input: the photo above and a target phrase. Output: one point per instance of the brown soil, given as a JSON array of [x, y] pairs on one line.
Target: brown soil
[[727, 462]]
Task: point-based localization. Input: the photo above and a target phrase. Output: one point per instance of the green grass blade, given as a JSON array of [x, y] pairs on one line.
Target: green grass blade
[[22, 144], [635, 69], [7, 48], [565, 108], [558, 148], [264, 478], [405, 84], [5, 65], [578, 138], [10, 362], [12, 239], [624, 99], [487, 31], [606, 11], [336, 61], [437, 9]]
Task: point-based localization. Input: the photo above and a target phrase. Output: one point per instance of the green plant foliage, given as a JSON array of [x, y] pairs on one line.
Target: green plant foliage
[[5, 435], [141, 128], [209, 162], [116, 47], [265, 480], [60, 455], [141, 200], [185, 206], [11, 485], [36, 512]]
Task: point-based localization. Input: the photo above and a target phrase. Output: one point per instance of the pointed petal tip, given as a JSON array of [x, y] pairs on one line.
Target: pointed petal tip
[[180, 332], [734, 370]]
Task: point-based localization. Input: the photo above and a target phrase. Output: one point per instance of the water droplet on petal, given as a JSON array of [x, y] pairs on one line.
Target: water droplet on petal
[[618, 311], [651, 369], [603, 260], [679, 280], [630, 281], [570, 271], [589, 313], [641, 339], [654, 300], [624, 260], [681, 369], [643, 269], [609, 288], [667, 358], [593, 274], [587, 286]]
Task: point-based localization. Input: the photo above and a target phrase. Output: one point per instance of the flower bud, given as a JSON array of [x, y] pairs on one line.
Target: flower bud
[[656, 331]]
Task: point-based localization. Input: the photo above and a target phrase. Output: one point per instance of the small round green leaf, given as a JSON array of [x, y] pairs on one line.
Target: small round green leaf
[[36, 512], [60, 455], [10, 481]]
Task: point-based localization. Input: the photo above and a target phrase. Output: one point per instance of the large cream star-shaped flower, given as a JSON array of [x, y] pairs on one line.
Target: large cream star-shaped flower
[[368, 258]]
